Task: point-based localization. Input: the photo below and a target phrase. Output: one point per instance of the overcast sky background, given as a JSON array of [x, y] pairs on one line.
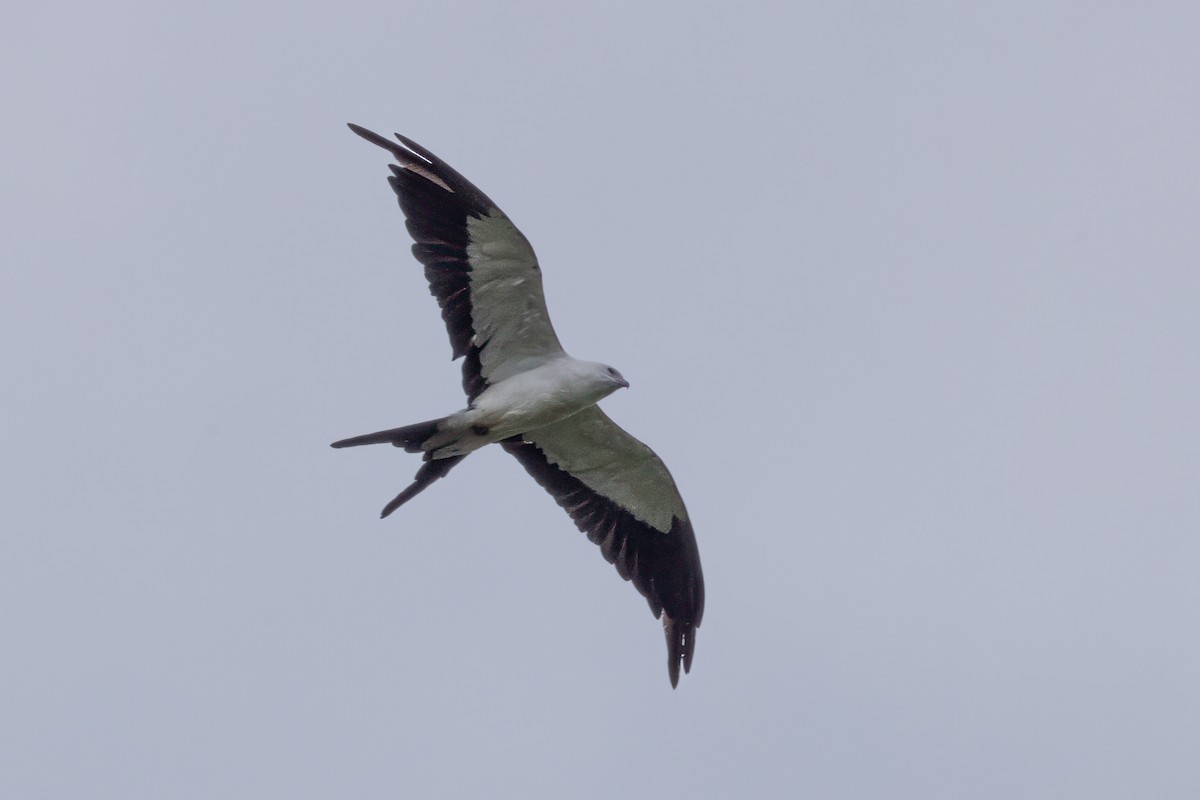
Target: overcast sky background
[[909, 297]]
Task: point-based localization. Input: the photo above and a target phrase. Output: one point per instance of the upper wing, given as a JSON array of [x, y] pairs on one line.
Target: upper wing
[[480, 268], [621, 495]]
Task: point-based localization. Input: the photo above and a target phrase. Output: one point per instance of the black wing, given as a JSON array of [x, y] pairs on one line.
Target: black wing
[[480, 268], [621, 495]]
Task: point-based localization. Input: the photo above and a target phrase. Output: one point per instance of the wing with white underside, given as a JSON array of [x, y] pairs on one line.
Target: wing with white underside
[[480, 268], [621, 495]]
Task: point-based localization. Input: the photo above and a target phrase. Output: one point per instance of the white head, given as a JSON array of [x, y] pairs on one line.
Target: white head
[[616, 377], [601, 379]]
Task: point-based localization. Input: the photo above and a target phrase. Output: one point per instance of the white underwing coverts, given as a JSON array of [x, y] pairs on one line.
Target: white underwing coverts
[[527, 395]]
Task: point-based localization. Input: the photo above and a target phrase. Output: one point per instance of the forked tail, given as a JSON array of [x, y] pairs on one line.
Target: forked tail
[[410, 437], [429, 472]]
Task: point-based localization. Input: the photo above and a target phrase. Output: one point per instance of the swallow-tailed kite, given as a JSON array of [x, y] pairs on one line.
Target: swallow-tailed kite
[[526, 394]]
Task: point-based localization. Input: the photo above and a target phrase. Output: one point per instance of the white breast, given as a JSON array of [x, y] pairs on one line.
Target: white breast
[[539, 397]]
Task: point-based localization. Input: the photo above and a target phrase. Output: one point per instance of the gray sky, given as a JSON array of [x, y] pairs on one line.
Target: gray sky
[[908, 295]]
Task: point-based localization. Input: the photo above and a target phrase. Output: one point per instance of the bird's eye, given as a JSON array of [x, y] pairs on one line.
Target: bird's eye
[[612, 371]]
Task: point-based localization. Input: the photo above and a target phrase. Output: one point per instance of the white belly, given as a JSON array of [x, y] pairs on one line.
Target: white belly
[[532, 399]]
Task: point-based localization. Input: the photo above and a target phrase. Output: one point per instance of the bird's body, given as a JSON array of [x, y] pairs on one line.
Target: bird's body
[[527, 401], [539, 397], [527, 394]]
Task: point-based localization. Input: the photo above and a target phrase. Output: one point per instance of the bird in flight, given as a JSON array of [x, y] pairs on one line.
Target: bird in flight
[[527, 395]]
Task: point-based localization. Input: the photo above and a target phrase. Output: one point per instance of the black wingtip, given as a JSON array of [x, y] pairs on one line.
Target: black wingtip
[[416, 148], [376, 139], [681, 646]]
